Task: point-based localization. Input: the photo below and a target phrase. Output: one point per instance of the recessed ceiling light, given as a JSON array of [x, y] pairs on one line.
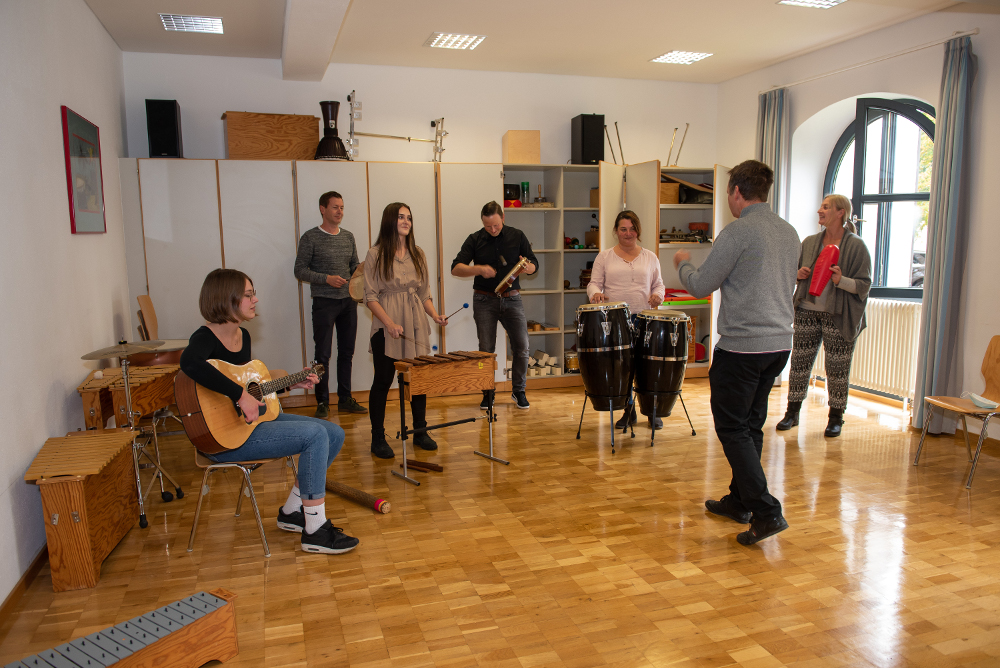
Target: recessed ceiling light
[[180, 23], [815, 4], [681, 57], [447, 40]]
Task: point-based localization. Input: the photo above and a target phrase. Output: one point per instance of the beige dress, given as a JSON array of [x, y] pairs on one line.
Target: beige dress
[[402, 298]]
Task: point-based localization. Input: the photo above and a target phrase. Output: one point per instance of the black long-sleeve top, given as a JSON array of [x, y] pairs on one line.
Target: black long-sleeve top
[[500, 252], [205, 345]]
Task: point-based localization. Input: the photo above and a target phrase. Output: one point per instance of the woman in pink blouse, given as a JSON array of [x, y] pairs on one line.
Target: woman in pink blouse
[[627, 273]]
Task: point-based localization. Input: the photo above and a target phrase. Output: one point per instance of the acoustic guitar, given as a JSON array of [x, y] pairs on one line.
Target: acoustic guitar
[[214, 422]]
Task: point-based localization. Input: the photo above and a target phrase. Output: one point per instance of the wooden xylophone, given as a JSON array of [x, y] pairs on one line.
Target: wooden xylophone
[[152, 388], [89, 501], [460, 372], [185, 634]]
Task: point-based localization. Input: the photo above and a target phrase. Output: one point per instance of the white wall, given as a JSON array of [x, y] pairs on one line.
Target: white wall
[[62, 295], [478, 107], [914, 75]]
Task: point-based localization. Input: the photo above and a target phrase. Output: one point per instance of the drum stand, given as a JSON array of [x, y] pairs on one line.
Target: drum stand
[[679, 396], [139, 449], [611, 416], [491, 418], [404, 431]]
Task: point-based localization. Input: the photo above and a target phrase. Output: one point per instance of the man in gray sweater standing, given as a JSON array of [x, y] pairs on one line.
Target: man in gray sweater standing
[[753, 262], [326, 258]]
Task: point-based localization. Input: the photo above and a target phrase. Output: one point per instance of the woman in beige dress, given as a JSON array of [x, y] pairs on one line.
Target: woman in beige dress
[[397, 292]]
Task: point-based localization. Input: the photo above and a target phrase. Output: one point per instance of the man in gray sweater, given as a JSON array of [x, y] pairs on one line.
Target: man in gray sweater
[[326, 258], [753, 262]]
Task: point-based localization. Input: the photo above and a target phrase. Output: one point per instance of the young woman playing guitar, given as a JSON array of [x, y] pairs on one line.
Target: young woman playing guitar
[[227, 300]]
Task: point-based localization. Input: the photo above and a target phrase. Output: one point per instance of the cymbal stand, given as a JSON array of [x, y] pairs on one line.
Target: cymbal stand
[[139, 449]]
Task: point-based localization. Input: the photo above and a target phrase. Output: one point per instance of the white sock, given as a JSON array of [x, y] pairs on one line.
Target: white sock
[[315, 517], [293, 502]]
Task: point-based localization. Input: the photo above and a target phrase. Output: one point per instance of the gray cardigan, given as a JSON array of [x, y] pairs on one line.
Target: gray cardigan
[[854, 263]]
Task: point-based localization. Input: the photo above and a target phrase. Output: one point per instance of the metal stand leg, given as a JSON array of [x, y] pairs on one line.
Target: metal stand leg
[[256, 511], [965, 432], [136, 449], [239, 497], [680, 395], [580, 426], [402, 433], [611, 417], [923, 434], [197, 511], [979, 447], [490, 418]]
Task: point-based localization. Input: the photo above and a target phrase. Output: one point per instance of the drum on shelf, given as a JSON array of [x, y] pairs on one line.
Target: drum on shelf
[[604, 350], [661, 354]]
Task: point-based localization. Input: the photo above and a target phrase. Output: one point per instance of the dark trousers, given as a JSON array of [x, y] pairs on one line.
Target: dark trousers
[[740, 385], [385, 370], [487, 310], [328, 314]]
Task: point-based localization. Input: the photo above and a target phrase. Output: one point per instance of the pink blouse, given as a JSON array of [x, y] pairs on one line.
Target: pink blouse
[[632, 282]]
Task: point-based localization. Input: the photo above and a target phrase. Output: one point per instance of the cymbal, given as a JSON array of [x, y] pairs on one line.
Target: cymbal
[[122, 350]]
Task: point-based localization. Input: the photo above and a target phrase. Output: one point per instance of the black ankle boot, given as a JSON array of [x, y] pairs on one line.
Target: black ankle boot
[[791, 418], [423, 439], [835, 423]]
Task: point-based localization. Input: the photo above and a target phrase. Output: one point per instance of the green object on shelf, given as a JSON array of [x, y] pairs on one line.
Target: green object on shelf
[[687, 302]]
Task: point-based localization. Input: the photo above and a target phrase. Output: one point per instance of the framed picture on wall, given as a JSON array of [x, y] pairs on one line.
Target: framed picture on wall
[[82, 144]]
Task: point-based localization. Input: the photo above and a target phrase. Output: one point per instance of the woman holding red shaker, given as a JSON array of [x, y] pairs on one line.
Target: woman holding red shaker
[[835, 316]]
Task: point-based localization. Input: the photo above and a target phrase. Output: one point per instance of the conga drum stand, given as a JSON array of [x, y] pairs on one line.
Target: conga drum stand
[[611, 416], [680, 396]]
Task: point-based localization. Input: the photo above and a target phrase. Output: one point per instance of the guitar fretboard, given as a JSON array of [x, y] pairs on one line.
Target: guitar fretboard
[[272, 386]]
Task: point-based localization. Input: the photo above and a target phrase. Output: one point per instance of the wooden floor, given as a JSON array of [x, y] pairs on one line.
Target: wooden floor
[[572, 556]]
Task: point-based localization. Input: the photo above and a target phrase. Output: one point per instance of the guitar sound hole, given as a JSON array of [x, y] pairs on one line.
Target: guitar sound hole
[[253, 389]]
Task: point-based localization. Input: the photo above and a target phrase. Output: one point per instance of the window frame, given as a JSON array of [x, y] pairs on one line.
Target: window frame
[[909, 109]]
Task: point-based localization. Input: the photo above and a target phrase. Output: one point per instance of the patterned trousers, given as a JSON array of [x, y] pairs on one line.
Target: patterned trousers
[[812, 328]]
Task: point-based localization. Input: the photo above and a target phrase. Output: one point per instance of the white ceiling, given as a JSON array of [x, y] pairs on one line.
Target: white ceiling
[[571, 37]]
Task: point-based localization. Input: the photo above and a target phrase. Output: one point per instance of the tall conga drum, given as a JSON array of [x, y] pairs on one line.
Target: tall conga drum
[[604, 350], [661, 354]]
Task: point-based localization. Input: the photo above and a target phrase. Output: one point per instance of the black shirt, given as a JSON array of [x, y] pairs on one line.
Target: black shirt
[[205, 345], [501, 252]]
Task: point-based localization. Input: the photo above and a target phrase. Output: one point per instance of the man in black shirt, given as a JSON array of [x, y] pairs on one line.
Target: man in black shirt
[[489, 255]]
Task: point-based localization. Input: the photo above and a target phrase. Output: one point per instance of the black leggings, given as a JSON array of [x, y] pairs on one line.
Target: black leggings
[[385, 370]]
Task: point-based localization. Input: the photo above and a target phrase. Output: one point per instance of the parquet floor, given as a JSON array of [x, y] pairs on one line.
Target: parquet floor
[[572, 556]]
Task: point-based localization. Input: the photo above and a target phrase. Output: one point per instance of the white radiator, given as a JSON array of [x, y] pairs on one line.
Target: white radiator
[[885, 355]]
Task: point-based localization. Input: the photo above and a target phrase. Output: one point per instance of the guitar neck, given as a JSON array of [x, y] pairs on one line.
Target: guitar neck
[[284, 382]]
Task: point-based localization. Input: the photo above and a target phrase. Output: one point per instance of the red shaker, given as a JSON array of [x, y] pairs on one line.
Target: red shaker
[[828, 257]]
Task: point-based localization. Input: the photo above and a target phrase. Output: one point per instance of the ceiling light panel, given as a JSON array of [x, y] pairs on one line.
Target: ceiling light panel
[[681, 57], [447, 40], [815, 4], [181, 23]]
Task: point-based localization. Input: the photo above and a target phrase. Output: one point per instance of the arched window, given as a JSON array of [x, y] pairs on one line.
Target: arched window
[[883, 163]]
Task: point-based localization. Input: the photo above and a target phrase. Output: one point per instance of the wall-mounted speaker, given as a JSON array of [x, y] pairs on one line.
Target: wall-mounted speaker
[[163, 126], [587, 141]]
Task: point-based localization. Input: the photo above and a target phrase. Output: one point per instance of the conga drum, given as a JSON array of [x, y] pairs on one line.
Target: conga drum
[[661, 354], [604, 350]]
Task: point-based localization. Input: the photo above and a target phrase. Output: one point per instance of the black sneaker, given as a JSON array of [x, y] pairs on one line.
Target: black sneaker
[[423, 440], [328, 539], [381, 449], [655, 423], [292, 521], [487, 399], [520, 400], [322, 411], [351, 406], [761, 529], [726, 508]]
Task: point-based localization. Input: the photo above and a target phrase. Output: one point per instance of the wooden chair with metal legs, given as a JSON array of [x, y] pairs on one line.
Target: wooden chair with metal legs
[[246, 488], [965, 407]]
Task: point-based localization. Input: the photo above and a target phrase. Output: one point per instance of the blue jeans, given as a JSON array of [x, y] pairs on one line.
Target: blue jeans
[[487, 310], [316, 442]]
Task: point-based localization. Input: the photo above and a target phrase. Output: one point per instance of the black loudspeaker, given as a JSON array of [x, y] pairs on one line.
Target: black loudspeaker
[[163, 126], [587, 144]]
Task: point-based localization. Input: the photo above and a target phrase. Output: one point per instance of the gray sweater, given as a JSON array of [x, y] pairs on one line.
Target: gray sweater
[[322, 254], [753, 261]]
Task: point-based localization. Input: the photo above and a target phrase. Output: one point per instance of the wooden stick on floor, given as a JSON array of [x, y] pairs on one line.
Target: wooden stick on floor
[[364, 498], [416, 463]]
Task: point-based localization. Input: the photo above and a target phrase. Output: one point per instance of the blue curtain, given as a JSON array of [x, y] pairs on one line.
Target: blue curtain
[[940, 362], [773, 143]]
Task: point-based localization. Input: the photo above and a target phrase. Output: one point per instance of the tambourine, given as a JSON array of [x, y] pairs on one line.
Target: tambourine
[[356, 287], [508, 280]]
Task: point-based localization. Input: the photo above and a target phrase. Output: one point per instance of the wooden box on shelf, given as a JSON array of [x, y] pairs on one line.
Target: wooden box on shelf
[[251, 136], [522, 147], [670, 193], [595, 198]]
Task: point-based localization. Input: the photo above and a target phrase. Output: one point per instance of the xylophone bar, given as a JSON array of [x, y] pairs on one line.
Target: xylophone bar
[[185, 634]]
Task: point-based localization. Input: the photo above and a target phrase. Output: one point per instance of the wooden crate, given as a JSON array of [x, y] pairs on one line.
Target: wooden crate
[[89, 501], [670, 193], [522, 147], [251, 136]]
